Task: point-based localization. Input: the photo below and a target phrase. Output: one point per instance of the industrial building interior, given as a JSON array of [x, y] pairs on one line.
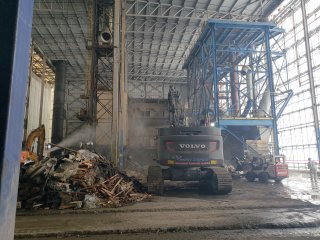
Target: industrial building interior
[[93, 90]]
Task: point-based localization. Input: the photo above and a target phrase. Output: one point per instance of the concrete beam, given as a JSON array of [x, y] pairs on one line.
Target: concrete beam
[[59, 100]]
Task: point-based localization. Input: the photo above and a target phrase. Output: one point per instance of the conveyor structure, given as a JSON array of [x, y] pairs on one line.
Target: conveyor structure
[[235, 78]]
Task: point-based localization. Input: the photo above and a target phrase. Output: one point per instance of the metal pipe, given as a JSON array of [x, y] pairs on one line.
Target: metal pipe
[[254, 90], [310, 74], [59, 100], [234, 87], [246, 70], [265, 103]]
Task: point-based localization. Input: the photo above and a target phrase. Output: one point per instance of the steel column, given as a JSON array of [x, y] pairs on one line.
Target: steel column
[[202, 70], [234, 88], [116, 63], [233, 44], [215, 76], [15, 35], [25, 123], [123, 95], [310, 74], [126, 89], [271, 88], [43, 76], [59, 100], [91, 81]]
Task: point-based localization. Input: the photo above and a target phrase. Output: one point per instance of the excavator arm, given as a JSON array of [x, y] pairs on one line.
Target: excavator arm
[[38, 133], [174, 107]]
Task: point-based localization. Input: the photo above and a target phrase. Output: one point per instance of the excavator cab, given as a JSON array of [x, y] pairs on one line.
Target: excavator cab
[[279, 159]]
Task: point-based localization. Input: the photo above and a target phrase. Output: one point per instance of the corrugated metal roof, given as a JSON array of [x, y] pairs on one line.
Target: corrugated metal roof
[[160, 33]]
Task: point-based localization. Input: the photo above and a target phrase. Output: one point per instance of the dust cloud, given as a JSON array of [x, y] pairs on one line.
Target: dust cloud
[[85, 134], [144, 121]]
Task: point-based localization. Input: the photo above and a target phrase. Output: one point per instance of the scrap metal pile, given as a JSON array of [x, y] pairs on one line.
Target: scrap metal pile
[[80, 179]]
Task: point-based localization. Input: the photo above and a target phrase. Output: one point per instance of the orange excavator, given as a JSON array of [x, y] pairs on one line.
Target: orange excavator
[[28, 153]]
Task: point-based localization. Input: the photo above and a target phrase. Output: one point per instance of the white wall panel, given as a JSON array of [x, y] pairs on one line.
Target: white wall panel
[[35, 106], [34, 103]]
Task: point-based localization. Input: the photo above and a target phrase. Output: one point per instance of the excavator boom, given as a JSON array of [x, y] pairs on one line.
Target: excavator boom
[[38, 133]]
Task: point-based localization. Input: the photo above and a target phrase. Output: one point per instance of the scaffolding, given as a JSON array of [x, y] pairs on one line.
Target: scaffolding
[[236, 81]]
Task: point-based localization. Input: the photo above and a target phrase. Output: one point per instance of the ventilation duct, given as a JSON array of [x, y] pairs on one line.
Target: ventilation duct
[[105, 26]]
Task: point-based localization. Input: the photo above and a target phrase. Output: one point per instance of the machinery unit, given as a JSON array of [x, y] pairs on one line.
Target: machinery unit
[[264, 169], [188, 154], [260, 163], [28, 151]]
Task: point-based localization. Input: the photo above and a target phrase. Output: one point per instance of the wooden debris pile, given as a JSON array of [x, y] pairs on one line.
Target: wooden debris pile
[[84, 179]]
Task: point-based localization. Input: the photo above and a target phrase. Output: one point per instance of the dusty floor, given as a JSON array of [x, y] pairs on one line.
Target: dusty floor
[[299, 186], [261, 234], [289, 210]]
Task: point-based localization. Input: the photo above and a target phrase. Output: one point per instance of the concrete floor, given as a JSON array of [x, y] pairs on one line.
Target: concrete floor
[[243, 234], [289, 210]]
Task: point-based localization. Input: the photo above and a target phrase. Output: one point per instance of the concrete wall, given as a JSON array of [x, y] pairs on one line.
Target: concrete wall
[[145, 117]]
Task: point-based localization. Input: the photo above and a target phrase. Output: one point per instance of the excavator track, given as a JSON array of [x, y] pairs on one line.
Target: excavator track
[[223, 180], [155, 180]]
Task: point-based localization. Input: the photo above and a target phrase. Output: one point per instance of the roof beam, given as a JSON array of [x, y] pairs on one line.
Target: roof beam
[[158, 80], [139, 7], [155, 75], [158, 32]]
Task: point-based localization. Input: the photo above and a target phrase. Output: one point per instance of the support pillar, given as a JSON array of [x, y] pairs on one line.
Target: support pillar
[[15, 37], [91, 81], [215, 77], [43, 76], [115, 97], [271, 89], [234, 84], [234, 87], [59, 100], [123, 94]]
